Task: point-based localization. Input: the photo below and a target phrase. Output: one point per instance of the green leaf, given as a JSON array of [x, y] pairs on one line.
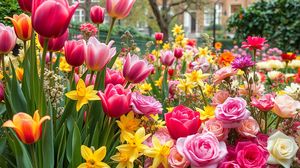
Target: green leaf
[[60, 146], [76, 144], [47, 141]]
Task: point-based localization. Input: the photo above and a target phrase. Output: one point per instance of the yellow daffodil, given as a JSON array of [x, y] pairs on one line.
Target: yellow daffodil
[[64, 66], [179, 38], [196, 76], [158, 82], [82, 94], [170, 109], [122, 157], [128, 124], [145, 88], [208, 90], [134, 146], [159, 152], [177, 30], [1, 76], [166, 46], [185, 86], [280, 92], [93, 159], [207, 113], [203, 52], [118, 65]]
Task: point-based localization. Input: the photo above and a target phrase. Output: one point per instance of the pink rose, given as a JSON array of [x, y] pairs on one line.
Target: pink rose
[[251, 155], [248, 128], [261, 139], [229, 164], [202, 150], [176, 160], [223, 73], [216, 127], [256, 89], [264, 103], [232, 111], [220, 97], [285, 106], [145, 105]]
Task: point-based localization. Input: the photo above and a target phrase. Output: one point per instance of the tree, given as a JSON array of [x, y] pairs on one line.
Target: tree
[[277, 20], [8, 8], [167, 10]]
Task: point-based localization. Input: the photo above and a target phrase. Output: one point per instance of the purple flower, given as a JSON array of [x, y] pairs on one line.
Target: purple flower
[[242, 62]]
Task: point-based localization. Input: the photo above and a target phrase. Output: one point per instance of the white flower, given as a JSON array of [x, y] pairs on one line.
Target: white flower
[[282, 149], [292, 90]]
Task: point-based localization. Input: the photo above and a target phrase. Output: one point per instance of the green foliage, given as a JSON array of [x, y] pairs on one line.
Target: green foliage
[[8, 8], [277, 20]]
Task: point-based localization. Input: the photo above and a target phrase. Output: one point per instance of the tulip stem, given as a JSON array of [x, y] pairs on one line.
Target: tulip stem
[[43, 62], [33, 155], [110, 30], [127, 84], [266, 122], [91, 77]]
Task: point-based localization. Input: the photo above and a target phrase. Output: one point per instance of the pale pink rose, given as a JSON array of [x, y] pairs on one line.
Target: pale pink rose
[[285, 106], [264, 103], [256, 90], [223, 73], [248, 128], [145, 105], [220, 97], [216, 127], [176, 160], [232, 111], [202, 150]]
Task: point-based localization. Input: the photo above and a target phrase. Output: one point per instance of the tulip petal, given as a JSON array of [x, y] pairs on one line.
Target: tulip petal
[[9, 124]]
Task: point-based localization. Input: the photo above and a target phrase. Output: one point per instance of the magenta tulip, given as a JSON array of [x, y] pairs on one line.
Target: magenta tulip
[[2, 92], [178, 52], [25, 5], [51, 18], [114, 77], [167, 58], [136, 70], [55, 44], [98, 54], [119, 9], [182, 122], [115, 100], [159, 36], [97, 14], [8, 39], [75, 52]]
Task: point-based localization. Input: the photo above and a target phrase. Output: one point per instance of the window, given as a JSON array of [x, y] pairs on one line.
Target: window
[[218, 13], [209, 15], [78, 16], [193, 22]]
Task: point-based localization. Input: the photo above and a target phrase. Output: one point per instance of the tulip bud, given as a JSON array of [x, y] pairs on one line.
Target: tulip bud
[[167, 58], [159, 36], [22, 26], [25, 5], [51, 18], [119, 9], [55, 44], [97, 14], [178, 52], [75, 52], [8, 39], [28, 129]]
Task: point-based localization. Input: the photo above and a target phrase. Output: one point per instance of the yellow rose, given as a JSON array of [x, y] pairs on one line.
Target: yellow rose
[[282, 149]]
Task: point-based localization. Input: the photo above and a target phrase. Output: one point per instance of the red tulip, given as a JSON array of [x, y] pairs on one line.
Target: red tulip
[[159, 36], [119, 9], [75, 52], [25, 5], [51, 18], [8, 39], [55, 44], [97, 14], [136, 70], [22, 26], [114, 77], [178, 52], [115, 100], [182, 122]]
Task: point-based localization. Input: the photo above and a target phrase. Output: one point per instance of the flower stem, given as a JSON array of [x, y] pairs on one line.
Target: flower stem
[[43, 62], [202, 94], [254, 66], [266, 122], [278, 121], [33, 156], [127, 85], [110, 30], [91, 77]]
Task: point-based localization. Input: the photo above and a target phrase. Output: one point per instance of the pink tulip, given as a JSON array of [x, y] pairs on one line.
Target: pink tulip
[[51, 18], [114, 77], [97, 14], [119, 9], [25, 5], [136, 70], [8, 39], [115, 100], [55, 44], [98, 54], [88, 81], [2, 92], [178, 52], [167, 58], [75, 52]]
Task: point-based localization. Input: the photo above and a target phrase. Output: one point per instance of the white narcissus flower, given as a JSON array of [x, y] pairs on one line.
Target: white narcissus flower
[[292, 90], [282, 149]]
